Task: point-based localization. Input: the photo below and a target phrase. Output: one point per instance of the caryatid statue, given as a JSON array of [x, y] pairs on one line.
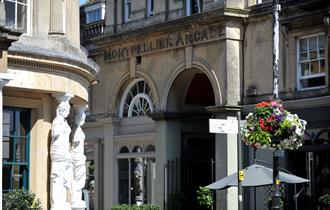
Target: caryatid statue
[[61, 168], [78, 158]]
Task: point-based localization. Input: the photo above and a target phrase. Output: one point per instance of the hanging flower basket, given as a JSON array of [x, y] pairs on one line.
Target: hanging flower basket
[[273, 127]]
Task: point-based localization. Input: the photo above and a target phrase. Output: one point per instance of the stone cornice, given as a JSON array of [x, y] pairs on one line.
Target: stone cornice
[[178, 115], [185, 23], [223, 109], [48, 65], [56, 51]]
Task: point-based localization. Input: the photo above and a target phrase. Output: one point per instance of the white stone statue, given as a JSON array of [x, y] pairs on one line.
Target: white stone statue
[[138, 176], [78, 158], [61, 167]]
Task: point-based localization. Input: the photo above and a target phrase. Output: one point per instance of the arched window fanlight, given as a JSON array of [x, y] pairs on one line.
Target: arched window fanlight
[[124, 150], [137, 100]]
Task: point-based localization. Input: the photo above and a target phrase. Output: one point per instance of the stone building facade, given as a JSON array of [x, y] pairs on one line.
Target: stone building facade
[[45, 63], [169, 66]]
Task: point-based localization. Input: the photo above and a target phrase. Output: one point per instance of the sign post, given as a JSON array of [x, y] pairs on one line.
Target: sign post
[[232, 126]]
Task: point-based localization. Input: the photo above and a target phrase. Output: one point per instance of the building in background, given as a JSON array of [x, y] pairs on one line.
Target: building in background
[[169, 66], [44, 64]]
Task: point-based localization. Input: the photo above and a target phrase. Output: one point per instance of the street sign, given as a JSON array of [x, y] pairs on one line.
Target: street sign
[[223, 126]]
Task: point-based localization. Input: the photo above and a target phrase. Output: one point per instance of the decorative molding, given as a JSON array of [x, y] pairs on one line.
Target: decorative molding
[[50, 67]]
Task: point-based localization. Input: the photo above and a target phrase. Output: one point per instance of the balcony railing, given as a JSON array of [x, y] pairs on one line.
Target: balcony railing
[[91, 30]]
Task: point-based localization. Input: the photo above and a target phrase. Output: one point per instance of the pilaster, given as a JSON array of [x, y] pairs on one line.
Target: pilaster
[[168, 147], [226, 154], [4, 79], [57, 17]]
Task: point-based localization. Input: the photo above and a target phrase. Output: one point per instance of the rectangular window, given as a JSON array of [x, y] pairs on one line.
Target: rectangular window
[[193, 6], [15, 159], [150, 8], [17, 14], [93, 16], [311, 62], [127, 10]]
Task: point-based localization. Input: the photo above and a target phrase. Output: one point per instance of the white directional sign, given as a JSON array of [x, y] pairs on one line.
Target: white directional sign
[[223, 126]]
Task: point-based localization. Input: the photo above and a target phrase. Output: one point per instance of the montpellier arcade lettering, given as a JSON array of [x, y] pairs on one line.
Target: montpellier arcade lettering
[[165, 42]]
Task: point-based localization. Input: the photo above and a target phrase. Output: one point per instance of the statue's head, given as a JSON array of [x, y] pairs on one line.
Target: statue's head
[[63, 109], [80, 115]]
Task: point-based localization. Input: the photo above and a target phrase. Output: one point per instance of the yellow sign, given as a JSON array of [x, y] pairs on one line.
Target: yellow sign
[[241, 175], [278, 182]]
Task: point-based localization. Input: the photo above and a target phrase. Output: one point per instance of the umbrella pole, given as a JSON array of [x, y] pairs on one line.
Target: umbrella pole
[[277, 193]]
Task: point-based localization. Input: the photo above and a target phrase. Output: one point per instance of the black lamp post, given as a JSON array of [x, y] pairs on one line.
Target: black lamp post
[[276, 153]]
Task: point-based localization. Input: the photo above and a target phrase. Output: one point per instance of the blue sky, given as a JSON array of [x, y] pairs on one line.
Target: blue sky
[[82, 1]]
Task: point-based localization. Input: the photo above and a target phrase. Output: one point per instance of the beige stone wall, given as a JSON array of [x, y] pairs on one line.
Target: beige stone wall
[[48, 82], [3, 61], [258, 54], [42, 113]]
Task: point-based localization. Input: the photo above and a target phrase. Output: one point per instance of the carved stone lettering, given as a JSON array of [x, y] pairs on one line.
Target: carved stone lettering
[[165, 42]]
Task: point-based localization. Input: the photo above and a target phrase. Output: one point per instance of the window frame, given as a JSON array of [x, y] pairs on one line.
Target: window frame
[[28, 14], [139, 95], [298, 62], [130, 156], [150, 8], [13, 140], [189, 4], [127, 9]]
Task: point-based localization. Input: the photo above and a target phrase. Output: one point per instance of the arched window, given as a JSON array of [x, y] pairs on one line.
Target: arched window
[[137, 99]]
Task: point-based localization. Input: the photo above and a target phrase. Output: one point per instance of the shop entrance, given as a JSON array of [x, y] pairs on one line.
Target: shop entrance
[[198, 155]]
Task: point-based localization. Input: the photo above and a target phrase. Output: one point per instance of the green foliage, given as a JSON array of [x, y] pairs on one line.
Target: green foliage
[[204, 197], [20, 200], [135, 207], [177, 199], [325, 200]]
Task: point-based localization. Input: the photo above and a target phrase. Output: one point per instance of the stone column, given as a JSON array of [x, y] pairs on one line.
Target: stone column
[[226, 157], [168, 147], [61, 167], [108, 181], [4, 79], [78, 157], [57, 17]]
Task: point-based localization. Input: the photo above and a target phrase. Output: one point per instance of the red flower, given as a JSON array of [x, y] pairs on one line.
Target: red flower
[[264, 103], [262, 123]]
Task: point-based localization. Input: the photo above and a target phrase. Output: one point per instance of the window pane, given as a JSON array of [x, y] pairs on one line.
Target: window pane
[[303, 45], [10, 14], [313, 43], [304, 68], [123, 181], [312, 82], [322, 53], [303, 56], [314, 67], [124, 150], [313, 55], [322, 66], [149, 180], [137, 149], [22, 1], [21, 17], [6, 174], [321, 41], [20, 150]]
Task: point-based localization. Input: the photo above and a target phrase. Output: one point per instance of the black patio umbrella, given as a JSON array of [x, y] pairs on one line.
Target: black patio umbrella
[[255, 175]]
